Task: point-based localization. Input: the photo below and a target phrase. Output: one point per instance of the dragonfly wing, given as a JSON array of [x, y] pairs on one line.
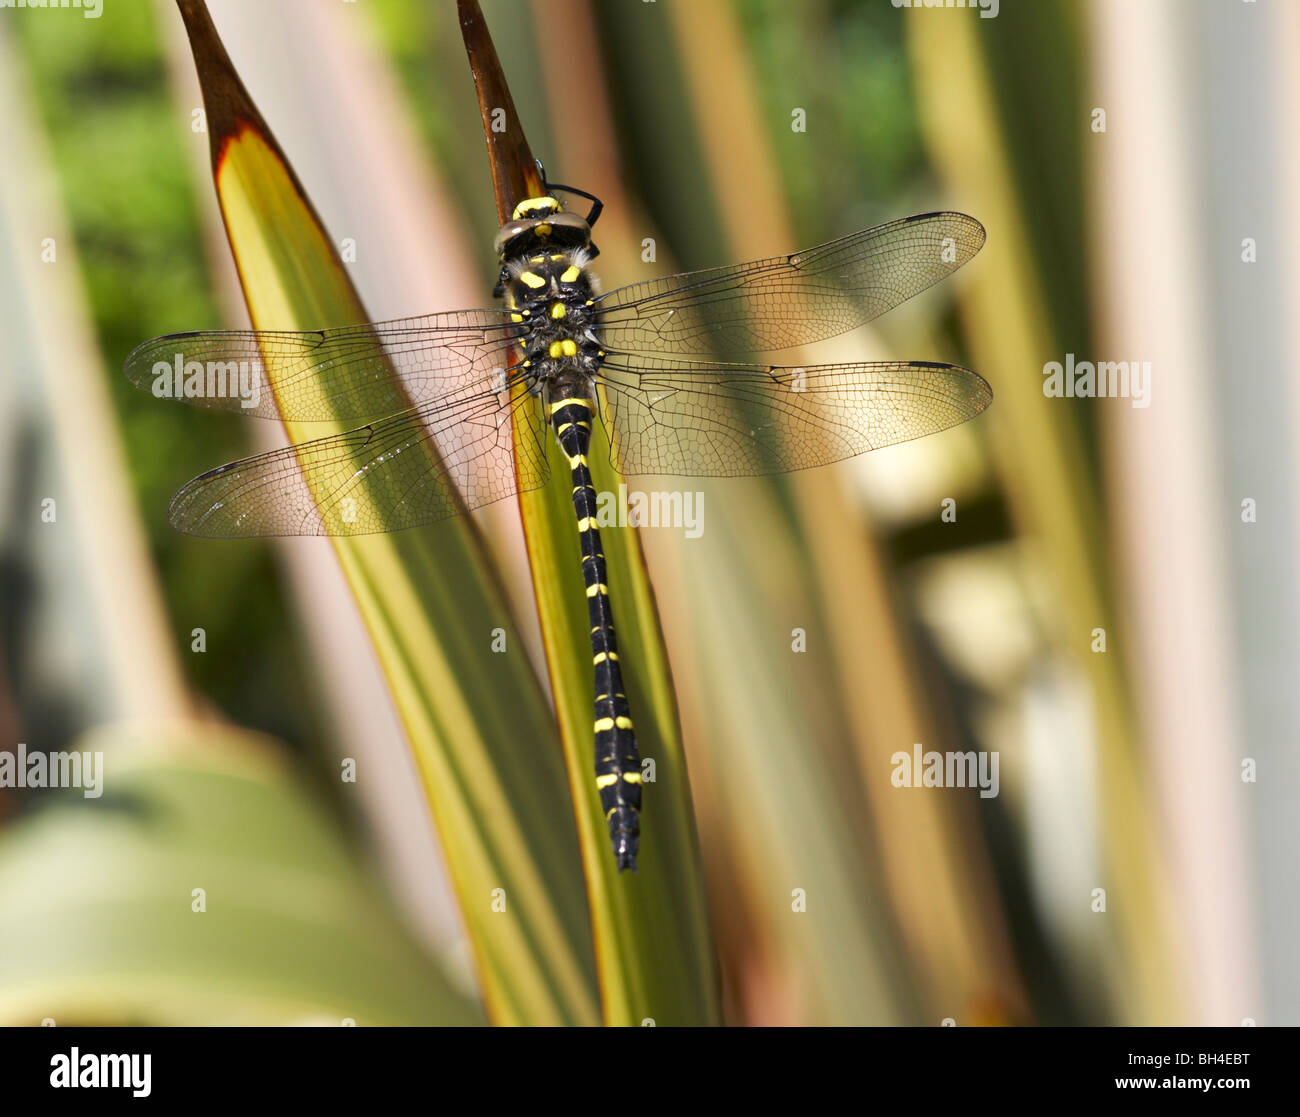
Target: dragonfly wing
[[789, 300], [415, 468], [731, 420], [340, 374]]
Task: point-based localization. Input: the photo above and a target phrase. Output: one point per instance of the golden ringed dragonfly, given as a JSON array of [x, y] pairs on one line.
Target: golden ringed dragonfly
[[652, 361]]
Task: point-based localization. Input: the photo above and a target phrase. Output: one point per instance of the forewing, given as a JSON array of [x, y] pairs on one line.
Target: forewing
[[340, 374], [789, 300]]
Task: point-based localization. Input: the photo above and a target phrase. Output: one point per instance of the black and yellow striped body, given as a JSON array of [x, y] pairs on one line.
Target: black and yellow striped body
[[549, 290], [618, 767]]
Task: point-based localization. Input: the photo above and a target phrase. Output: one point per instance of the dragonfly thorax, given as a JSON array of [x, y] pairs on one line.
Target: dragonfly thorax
[[550, 295]]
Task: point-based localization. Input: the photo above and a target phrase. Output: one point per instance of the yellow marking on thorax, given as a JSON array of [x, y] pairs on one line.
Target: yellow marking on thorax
[[559, 310], [532, 279], [566, 348]]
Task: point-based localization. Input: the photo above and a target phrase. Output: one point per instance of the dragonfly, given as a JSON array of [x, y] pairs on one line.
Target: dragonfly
[[654, 362]]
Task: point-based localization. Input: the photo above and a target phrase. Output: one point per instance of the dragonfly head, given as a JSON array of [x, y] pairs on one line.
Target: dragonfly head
[[539, 224]]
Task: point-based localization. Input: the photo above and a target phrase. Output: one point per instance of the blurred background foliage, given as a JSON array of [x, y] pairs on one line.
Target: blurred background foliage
[[106, 110], [922, 904]]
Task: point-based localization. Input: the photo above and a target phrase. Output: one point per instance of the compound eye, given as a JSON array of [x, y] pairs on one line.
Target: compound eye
[[568, 220], [510, 230]]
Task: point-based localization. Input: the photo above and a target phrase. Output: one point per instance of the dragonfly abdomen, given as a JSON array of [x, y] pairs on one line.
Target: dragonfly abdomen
[[618, 767]]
